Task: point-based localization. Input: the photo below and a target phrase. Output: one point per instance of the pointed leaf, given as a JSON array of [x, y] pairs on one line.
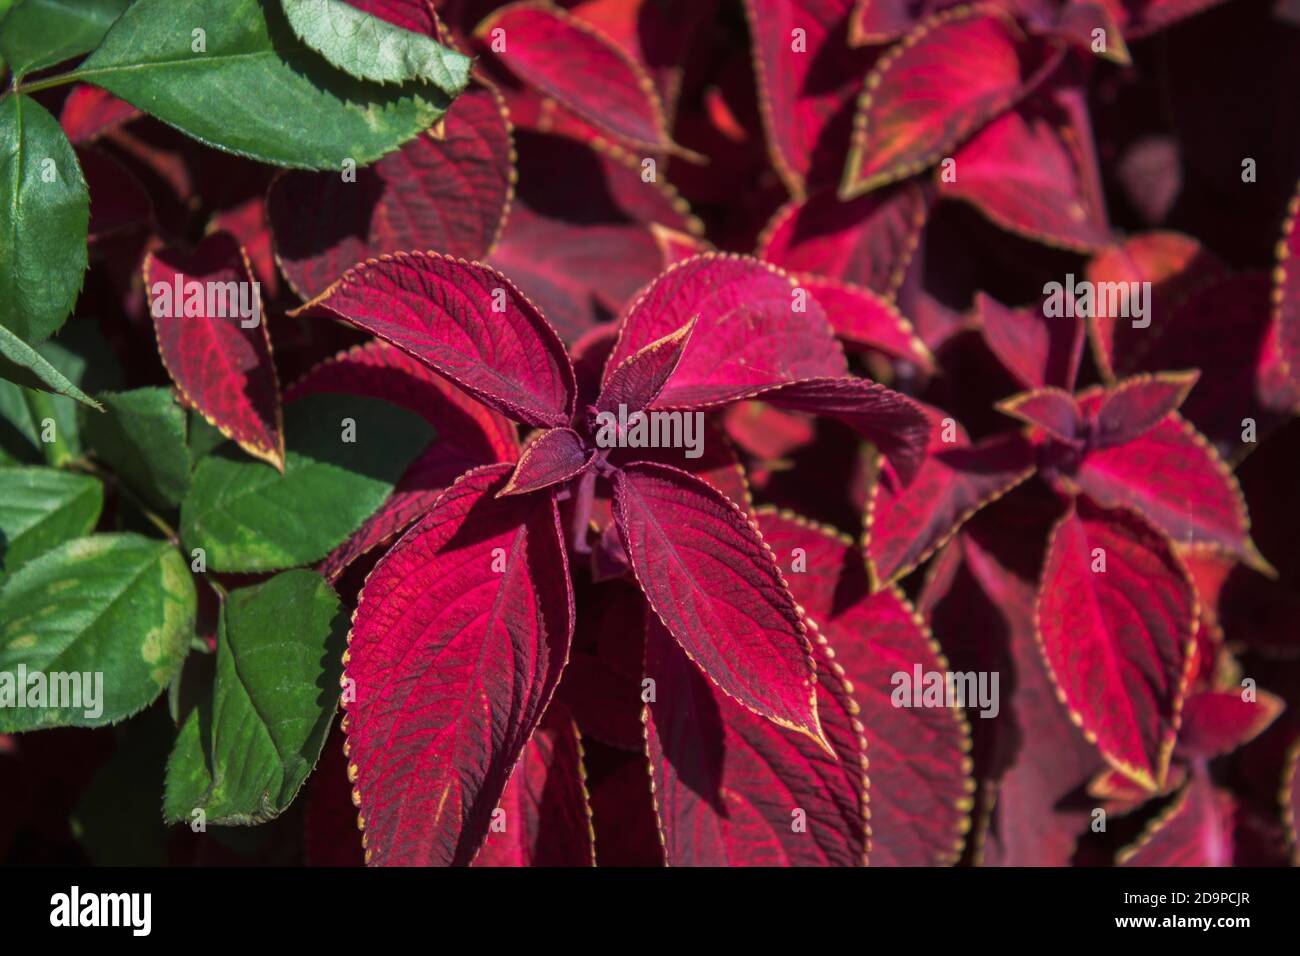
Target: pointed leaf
[[465, 321], [864, 320], [454, 663], [449, 194], [1037, 350], [142, 437], [639, 379], [1136, 405], [1218, 722], [40, 508], [713, 582], [44, 33], [550, 457], [220, 359], [21, 363], [1053, 410], [1197, 829], [732, 789], [1118, 641], [89, 112]]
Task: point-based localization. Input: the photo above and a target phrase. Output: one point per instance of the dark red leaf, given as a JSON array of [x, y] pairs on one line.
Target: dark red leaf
[[1196, 829], [1218, 722], [1038, 351], [639, 379], [864, 320], [1136, 405], [89, 112], [550, 457], [1054, 410]]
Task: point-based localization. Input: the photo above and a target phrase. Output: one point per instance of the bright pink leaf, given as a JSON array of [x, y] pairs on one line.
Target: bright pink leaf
[[1218, 722], [222, 368], [732, 789], [457, 644], [1116, 614], [1037, 350], [550, 457], [1197, 829], [465, 321], [919, 768], [567, 58], [547, 816], [447, 194], [708, 575], [864, 320], [89, 112], [1136, 405]]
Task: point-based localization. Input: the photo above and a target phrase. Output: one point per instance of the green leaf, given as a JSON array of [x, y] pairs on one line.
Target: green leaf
[[41, 33], [243, 754], [254, 88], [116, 609], [369, 48], [249, 517], [204, 438], [44, 214], [21, 363], [40, 508], [142, 437]]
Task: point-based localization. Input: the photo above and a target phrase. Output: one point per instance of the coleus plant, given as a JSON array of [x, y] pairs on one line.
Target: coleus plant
[[646, 413]]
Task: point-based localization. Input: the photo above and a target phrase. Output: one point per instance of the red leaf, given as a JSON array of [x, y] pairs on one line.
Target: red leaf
[[605, 703], [465, 321], [468, 435], [748, 335], [920, 773], [713, 582], [567, 58], [89, 112], [1038, 351], [414, 15], [947, 78], [222, 369], [550, 457], [1118, 641], [1197, 829], [1054, 410], [1174, 478], [1019, 172], [903, 527], [879, 21], [1078, 22], [1218, 722], [454, 663], [246, 221], [864, 320], [1286, 292], [117, 200], [766, 432], [547, 819], [639, 379], [1136, 405], [449, 195], [732, 789], [867, 241], [807, 82]]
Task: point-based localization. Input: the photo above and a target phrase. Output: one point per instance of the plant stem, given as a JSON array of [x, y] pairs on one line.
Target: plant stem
[[59, 79]]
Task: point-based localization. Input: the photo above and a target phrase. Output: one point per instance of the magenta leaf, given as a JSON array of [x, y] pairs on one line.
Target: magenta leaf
[[639, 379], [754, 329], [465, 321], [1218, 722], [1116, 615], [732, 789], [1197, 829], [89, 112], [457, 644], [546, 816], [449, 194], [1054, 410], [1038, 351], [919, 768], [1286, 292], [1136, 405], [903, 527], [468, 435], [710, 578], [220, 360], [864, 320], [550, 457]]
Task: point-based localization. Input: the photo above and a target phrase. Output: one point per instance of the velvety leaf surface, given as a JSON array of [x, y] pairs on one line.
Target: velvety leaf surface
[[733, 789], [747, 336], [919, 770], [119, 604], [547, 819], [903, 527], [309, 115], [867, 241], [371, 48], [44, 220], [249, 517], [465, 321], [1037, 350], [954, 71], [1020, 173], [40, 508], [242, 754], [43, 33], [713, 582], [222, 368], [1176, 480], [142, 437], [449, 195], [549, 457], [1054, 410], [864, 320], [454, 664], [1117, 641], [1196, 829], [1136, 405], [1217, 722], [566, 58], [468, 434]]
